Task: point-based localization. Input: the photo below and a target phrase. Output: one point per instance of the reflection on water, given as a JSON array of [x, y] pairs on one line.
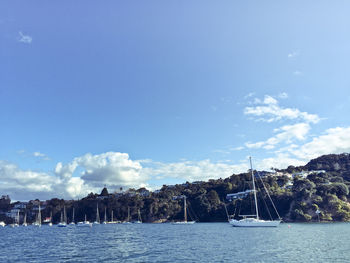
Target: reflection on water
[[206, 242]]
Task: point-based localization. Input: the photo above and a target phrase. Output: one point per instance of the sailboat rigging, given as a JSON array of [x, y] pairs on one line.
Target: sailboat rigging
[[73, 220], [25, 219], [139, 219], [97, 222], [84, 223], [63, 221], [105, 218], [38, 219], [185, 222], [254, 220]]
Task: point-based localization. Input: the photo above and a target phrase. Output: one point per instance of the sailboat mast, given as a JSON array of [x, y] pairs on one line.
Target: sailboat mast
[[185, 213], [139, 215], [39, 215], [97, 215], [105, 214], [73, 216], [255, 199]]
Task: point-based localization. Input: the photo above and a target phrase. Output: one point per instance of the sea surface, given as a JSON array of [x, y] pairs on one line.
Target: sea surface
[[201, 242]]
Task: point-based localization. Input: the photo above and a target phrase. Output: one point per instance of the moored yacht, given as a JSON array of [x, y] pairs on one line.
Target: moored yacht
[[84, 223], [185, 222], [97, 222], [254, 220], [63, 221]]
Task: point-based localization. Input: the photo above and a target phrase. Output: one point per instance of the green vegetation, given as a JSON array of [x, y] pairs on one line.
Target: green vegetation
[[326, 189]]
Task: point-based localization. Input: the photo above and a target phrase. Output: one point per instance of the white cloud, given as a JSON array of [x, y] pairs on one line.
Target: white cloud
[[280, 161], [114, 169], [249, 95], [283, 95], [25, 184], [293, 54], [270, 111], [239, 148], [286, 134], [194, 170], [24, 38], [111, 168], [41, 156], [335, 140]]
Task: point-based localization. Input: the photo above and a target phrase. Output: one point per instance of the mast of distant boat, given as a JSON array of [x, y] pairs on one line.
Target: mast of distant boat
[[39, 216], [139, 216], [64, 215], [185, 213], [73, 220], [97, 215], [128, 214], [25, 219], [255, 199]]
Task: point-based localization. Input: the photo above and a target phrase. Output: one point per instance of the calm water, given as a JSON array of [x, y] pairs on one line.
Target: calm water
[[201, 242]]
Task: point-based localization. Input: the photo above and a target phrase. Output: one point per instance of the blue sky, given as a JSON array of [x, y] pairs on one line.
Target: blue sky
[[142, 93]]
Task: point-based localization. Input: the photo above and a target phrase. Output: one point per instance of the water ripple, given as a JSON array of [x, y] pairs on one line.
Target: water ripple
[[215, 242]]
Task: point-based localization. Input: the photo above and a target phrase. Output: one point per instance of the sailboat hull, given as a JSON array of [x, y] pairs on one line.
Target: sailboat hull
[[253, 222]]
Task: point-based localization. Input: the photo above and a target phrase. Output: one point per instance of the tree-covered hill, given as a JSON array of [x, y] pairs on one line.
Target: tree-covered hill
[[298, 192]]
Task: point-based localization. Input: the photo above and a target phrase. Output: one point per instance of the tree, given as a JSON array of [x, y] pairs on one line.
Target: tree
[[104, 192]]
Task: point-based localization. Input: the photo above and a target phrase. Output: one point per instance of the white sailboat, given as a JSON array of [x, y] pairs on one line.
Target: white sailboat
[[63, 221], [97, 222], [112, 220], [128, 218], [73, 220], [25, 220], [38, 219], [254, 220], [105, 219], [16, 220], [139, 219], [84, 223], [185, 222], [50, 223]]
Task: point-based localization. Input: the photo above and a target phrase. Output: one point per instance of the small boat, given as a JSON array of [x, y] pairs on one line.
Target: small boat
[[38, 218], [139, 219], [2, 224], [128, 218], [97, 222], [63, 221], [254, 220], [84, 223], [73, 221], [185, 222], [16, 221], [50, 222], [112, 220], [105, 219], [25, 220]]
